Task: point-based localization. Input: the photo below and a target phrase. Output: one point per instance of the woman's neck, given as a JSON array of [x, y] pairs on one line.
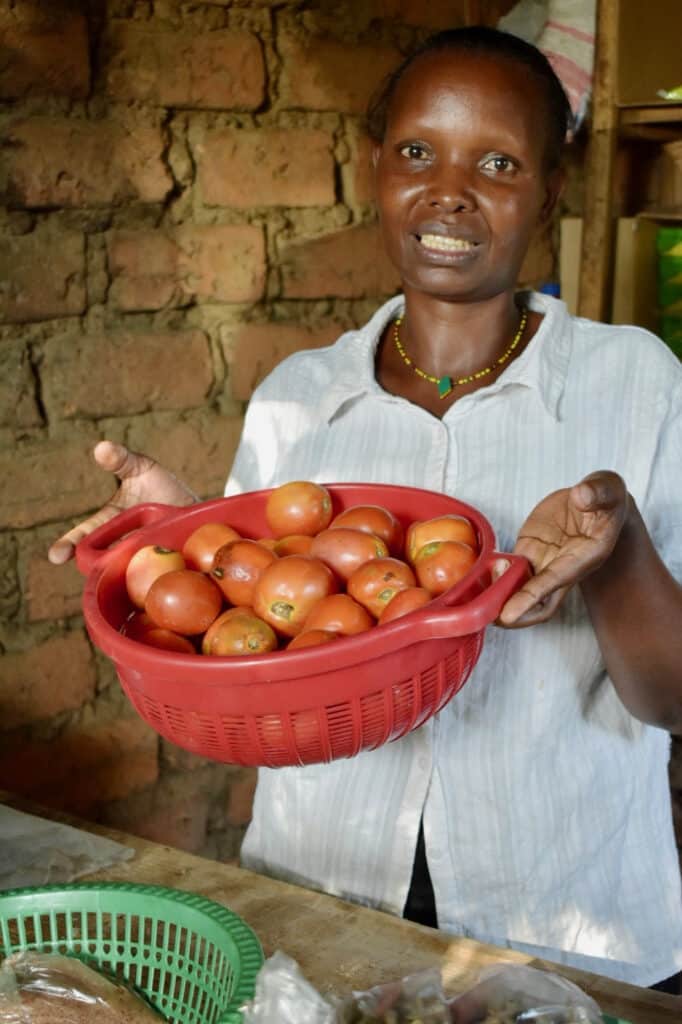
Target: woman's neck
[[456, 339]]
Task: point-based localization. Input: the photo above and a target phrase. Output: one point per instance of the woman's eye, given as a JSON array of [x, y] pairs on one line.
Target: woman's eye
[[413, 151], [498, 164]]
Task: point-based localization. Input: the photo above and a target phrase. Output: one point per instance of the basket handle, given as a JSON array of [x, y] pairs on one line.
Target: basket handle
[[480, 611], [95, 546]]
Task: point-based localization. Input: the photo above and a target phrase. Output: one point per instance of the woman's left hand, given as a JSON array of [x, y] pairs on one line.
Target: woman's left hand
[[568, 536]]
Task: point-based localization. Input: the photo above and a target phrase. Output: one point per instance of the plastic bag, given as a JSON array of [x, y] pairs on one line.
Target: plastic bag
[[40, 988], [508, 994], [515, 994]]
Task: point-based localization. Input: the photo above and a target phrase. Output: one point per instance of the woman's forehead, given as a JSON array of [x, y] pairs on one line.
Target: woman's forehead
[[451, 80]]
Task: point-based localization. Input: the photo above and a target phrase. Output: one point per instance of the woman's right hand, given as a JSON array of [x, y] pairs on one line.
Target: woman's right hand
[[141, 479]]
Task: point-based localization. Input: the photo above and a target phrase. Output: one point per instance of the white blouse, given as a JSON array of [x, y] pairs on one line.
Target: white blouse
[[546, 805]]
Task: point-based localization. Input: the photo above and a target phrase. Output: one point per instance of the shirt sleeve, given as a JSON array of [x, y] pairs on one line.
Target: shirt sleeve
[[662, 509]]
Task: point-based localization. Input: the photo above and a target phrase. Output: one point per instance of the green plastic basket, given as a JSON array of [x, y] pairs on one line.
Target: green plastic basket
[[194, 960]]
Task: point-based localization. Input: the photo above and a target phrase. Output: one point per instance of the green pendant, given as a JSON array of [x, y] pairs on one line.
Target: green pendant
[[444, 387]]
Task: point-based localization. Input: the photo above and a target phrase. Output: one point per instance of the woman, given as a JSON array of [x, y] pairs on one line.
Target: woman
[[534, 810]]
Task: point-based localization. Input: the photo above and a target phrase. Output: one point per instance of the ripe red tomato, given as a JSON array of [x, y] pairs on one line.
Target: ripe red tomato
[[147, 565], [201, 545], [294, 544], [166, 640], [373, 519], [442, 564], [405, 601], [375, 583], [339, 613], [288, 589], [185, 602], [238, 632], [311, 638], [237, 568], [345, 550], [448, 527], [298, 507], [267, 542], [136, 625]]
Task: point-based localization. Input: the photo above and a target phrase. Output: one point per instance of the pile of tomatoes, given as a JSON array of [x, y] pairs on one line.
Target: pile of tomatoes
[[316, 579]]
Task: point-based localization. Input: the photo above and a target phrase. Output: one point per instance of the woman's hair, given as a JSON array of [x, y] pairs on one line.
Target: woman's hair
[[479, 39]]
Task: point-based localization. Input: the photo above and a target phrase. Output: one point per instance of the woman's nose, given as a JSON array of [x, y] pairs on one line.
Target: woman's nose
[[450, 191]]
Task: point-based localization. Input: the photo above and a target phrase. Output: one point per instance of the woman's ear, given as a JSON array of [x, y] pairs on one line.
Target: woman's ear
[[556, 179]]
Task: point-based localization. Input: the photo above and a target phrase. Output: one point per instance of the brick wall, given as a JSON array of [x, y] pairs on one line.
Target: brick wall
[[186, 202]]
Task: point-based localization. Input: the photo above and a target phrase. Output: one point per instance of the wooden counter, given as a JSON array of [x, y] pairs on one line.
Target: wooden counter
[[341, 946]]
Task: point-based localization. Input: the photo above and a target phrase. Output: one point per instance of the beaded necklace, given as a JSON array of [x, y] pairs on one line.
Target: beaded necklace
[[445, 384]]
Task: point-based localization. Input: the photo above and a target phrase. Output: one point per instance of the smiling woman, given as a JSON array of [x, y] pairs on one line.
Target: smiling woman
[[534, 811]]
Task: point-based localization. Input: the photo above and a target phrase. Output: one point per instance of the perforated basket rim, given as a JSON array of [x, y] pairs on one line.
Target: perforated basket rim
[[248, 947]]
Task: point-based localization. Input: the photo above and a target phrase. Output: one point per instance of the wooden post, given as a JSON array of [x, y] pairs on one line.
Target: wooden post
[[594, 299]]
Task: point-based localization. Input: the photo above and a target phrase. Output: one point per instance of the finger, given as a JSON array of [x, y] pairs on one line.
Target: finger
[[118, 459], [526, 612], [601, 490], [63, 548], [536, 592]]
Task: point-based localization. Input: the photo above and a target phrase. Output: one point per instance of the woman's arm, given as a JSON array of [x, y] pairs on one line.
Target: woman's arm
[[593, 535]]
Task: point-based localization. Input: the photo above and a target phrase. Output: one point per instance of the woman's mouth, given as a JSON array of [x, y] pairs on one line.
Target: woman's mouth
[[445, 244]]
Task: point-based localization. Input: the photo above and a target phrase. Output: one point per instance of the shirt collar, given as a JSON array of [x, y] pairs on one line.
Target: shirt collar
[[542, 366]]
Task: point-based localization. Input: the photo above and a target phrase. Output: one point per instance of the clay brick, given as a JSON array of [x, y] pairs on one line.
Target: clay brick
[[199, 449], [219, 263], [357, 175], [50, 678], [42, 276], [218, 70], [17, 389], [254, 350], [52, 592], [267, 168], [29, 473], [82, 768], [240, 801], [177, 819], [347, 264], [436, 14], [322, 74], [125, 372], [43, 53], [67, 162]]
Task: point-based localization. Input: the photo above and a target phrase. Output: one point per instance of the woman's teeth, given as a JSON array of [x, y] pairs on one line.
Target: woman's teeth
[[444, 244]]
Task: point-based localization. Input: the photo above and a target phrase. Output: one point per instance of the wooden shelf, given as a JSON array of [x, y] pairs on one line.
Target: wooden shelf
[[670, 213], [667, 113]]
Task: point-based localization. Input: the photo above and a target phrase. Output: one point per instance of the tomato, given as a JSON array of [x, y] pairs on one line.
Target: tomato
[[442, 564], [184, 601], [166, 640], [294, 544], [201, 545], [312, 638], [375, 583], [345, 550], [373, 519], [404, 602], [449, 527], [267, 542], [339, 613], [298, 507], [147, 565], [238, 631], [136, 625], [288, 589], [237, 568]]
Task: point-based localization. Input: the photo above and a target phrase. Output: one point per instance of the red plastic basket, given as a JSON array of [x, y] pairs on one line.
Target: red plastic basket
[[310, 705]]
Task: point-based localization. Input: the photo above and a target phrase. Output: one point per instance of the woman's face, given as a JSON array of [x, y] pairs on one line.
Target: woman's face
[[461, 181]]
